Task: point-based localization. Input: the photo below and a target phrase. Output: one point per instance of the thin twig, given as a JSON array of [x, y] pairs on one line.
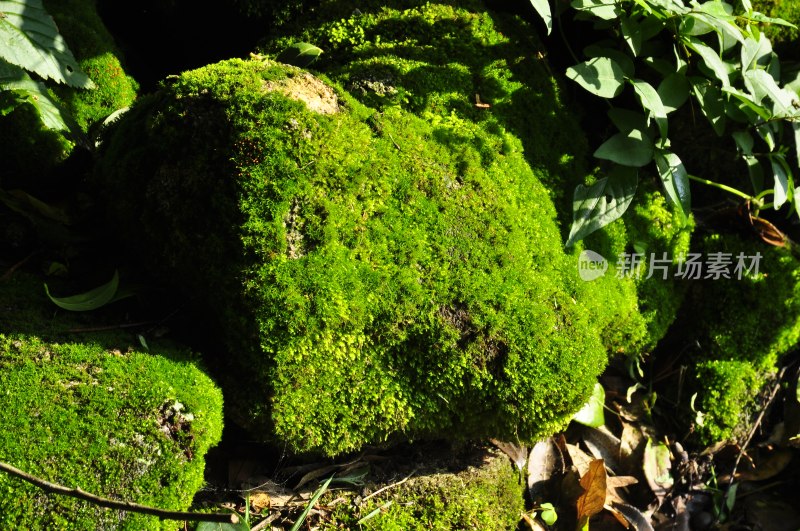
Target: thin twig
[[7, 275], [772, 396], [387, 487], [119, 505]]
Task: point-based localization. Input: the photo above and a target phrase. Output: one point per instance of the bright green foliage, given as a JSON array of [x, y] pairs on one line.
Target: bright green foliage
[[374, 273], [98, 57], [489, 497], [728, 390], [32, 149], [441, 61], [96, 415], [788, 10]]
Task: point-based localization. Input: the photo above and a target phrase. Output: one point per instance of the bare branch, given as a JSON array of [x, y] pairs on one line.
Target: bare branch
[[114, 504]]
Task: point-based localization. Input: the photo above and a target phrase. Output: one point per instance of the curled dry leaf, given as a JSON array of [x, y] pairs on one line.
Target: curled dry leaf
[[593, 498], [603, 445], [544, 462], [637, 520]]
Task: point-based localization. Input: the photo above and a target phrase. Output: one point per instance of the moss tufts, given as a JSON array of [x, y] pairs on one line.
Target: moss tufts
[[413, 285], [727, 399], [488, 496]]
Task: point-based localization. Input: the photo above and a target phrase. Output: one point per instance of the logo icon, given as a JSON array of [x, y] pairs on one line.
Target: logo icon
[[591, 265]]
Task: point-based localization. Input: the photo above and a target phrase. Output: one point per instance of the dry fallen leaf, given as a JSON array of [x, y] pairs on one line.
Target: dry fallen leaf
[[580, 459], [637, 520], [544, 462], [259, 501], [768, 468], [517, 453], [603, 445], [656, 468], [593, 498], [613, 486]]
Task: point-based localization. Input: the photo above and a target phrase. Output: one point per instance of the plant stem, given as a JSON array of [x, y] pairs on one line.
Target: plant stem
[[724, 187]]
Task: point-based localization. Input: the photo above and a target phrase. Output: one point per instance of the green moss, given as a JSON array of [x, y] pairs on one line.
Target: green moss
[[788, 10], [98, 415], [413, 285], [650, 227], [437, 59], [35, 151], [489, 496], [755, 318], [727, 400]]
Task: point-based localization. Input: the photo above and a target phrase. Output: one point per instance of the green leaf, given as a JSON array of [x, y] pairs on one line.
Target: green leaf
[[542, 7], [31, 41], [755, 16], [675, 180], [595, 206], [651, 103], [781, 186], [91, 300], [548, 513], [747, 6], [311, 503], [761, 85], [755, 51], [796, 130], [27, 90], [600, 76], [711, 59], [628, 149], [756, 173], [747, 104], [627, 120], [591, 414], [712, 105], [217, 526], [767, 134], [744, 141], [673, 91], [632, 34], [300, 54], [602, 9]]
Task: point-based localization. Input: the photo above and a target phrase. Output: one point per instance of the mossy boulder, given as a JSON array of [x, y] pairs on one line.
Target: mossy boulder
[[373, 273], [487, 494], [33, 150], [742, 325], [97, 414]]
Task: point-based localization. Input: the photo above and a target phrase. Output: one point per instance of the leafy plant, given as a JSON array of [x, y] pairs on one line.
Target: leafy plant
[[668, 53], [92, 299], [33, 45]]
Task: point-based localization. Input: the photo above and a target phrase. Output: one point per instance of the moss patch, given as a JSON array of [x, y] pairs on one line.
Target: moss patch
[[98, 415], [375, 274], [489, 495]]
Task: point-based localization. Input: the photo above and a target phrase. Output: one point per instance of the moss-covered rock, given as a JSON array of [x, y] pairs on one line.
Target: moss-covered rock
[[727, 398], [94, 413], [374, 273], [487, 495], [742, 325], [33, 151]]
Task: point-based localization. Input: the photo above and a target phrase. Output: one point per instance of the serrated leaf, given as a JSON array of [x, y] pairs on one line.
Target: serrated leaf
[[31, 41], [591, 414], [595, 206], [675, 180], [633, 149], [627, 120], [593, 499], [542, 7], [781, 182], [300, 54], [673, 91], [35, 93], [91, 300], [711, 59], [651, 103], [600, 76]]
